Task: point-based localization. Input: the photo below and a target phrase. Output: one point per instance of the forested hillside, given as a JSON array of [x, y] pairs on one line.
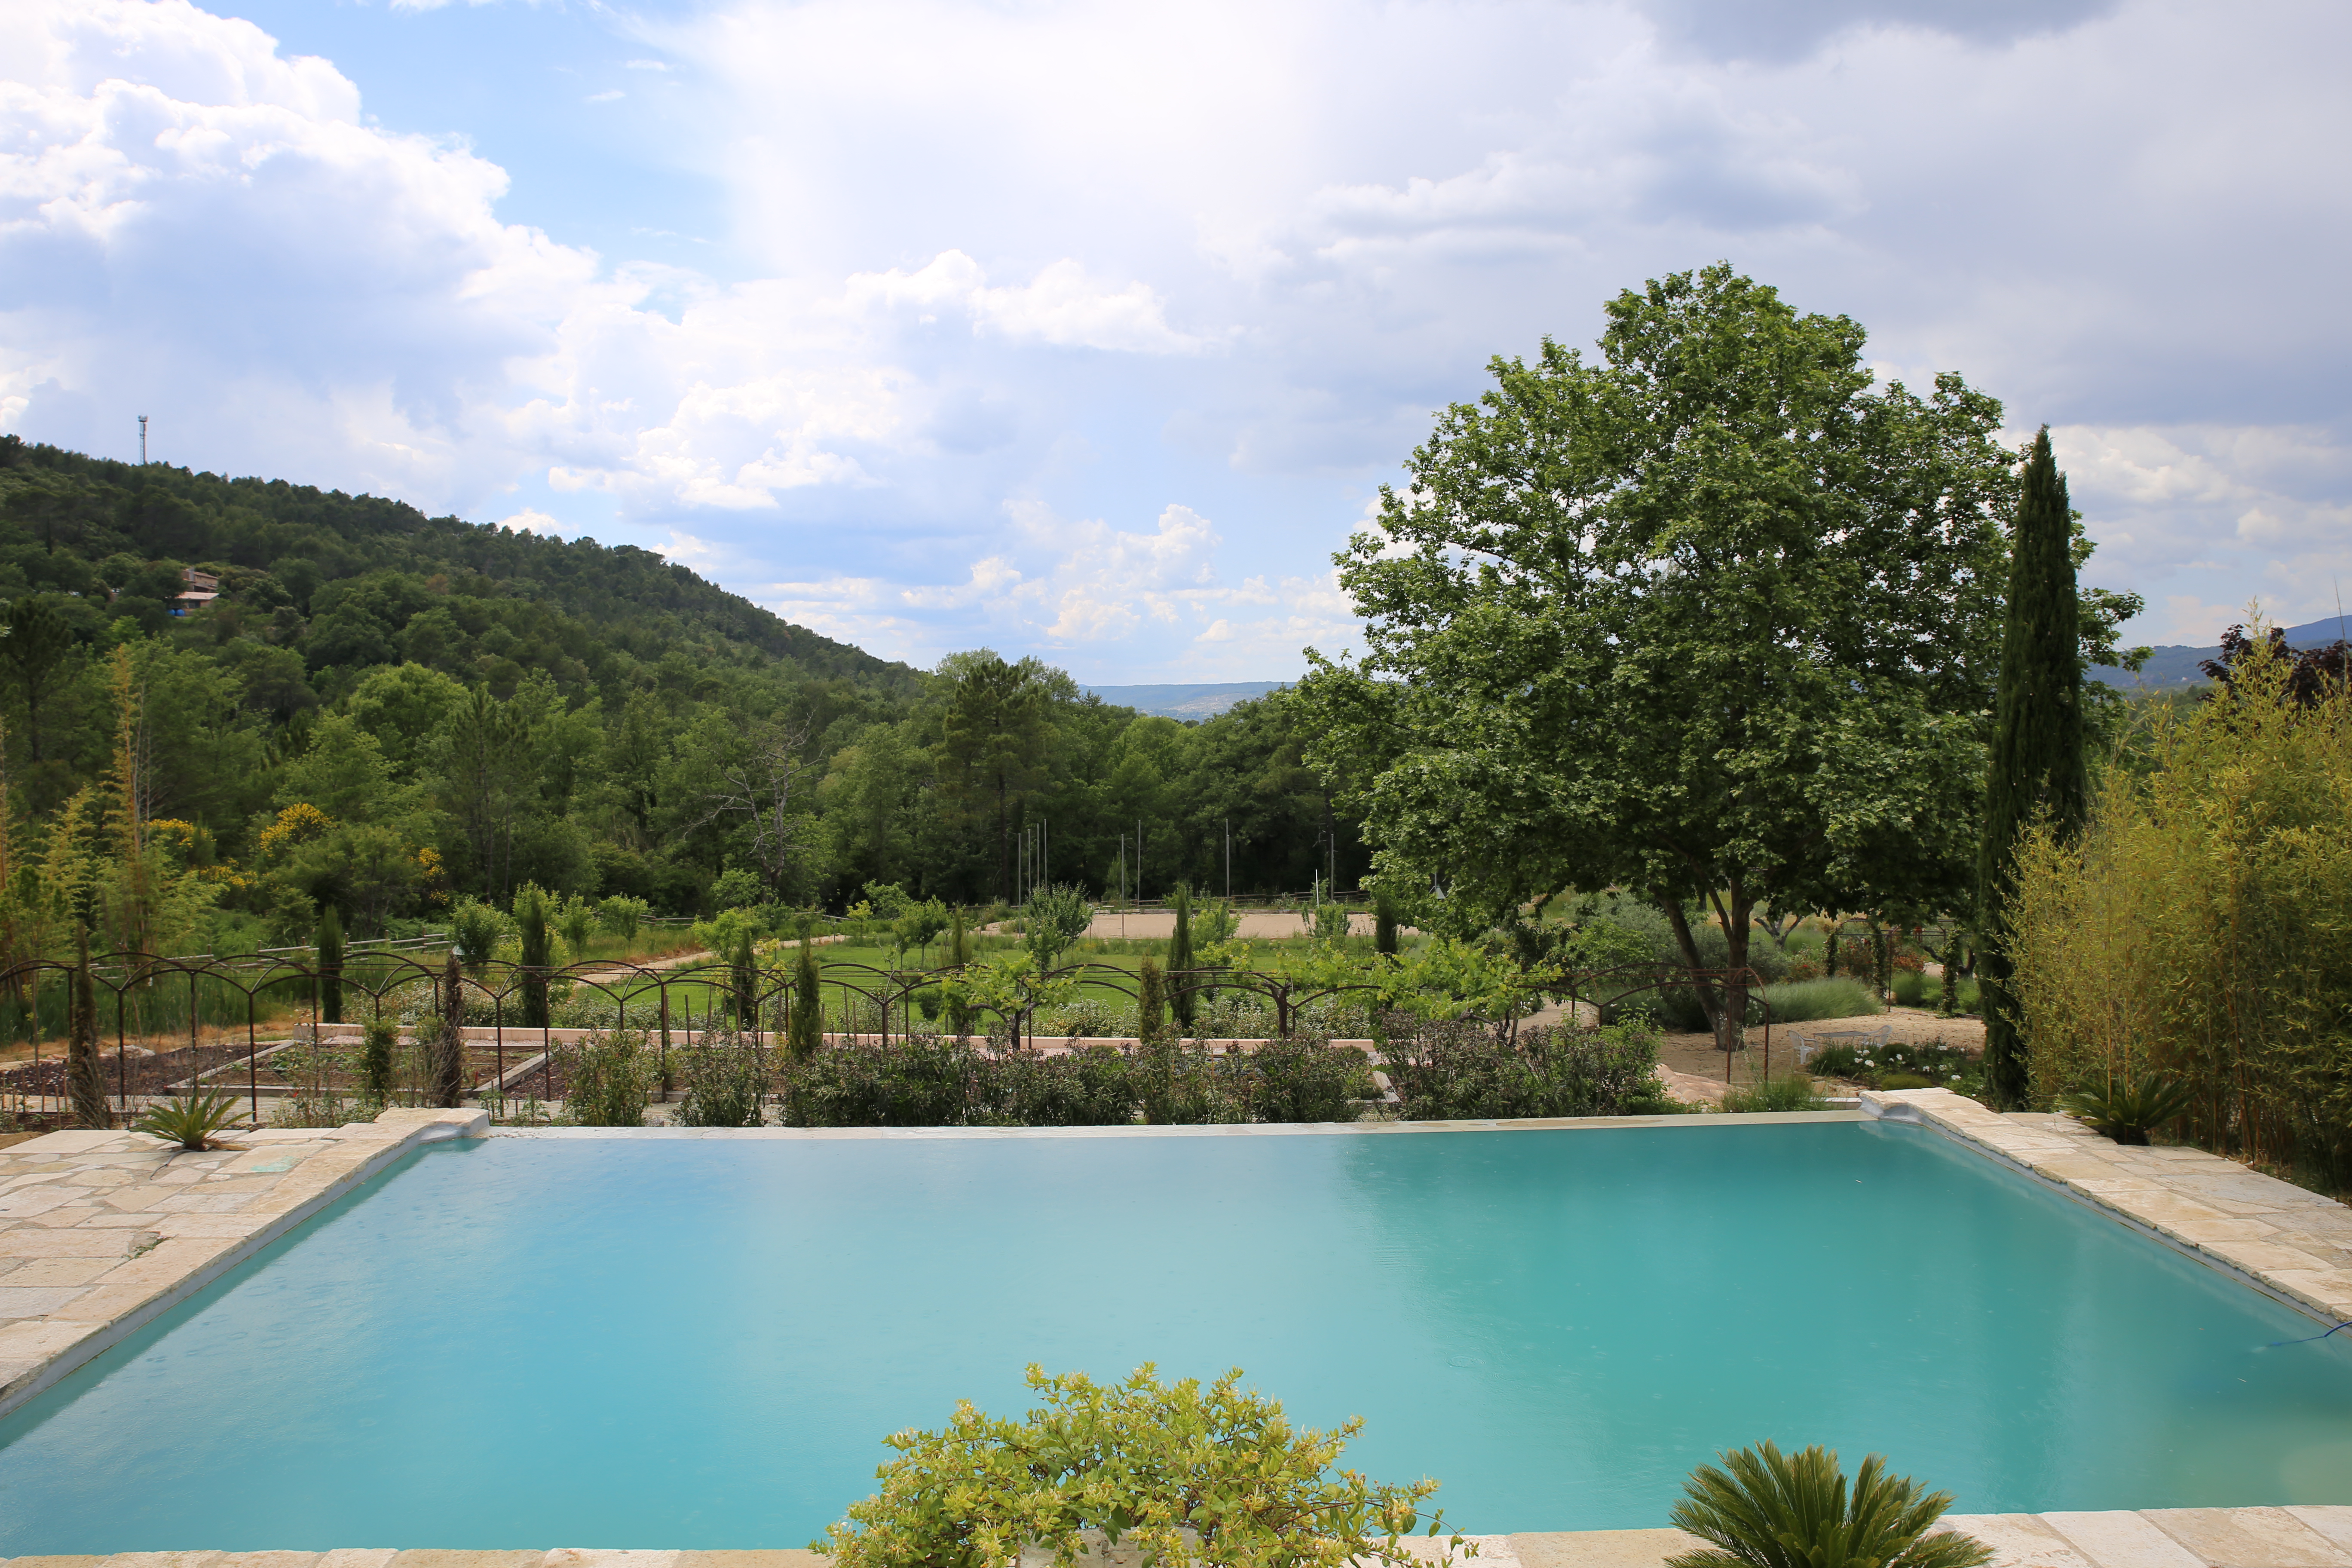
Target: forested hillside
[[383, 711]]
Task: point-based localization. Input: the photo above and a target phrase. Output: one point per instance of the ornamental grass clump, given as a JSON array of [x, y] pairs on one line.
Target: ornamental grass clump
[[1213, 1478], [1769, 1510]]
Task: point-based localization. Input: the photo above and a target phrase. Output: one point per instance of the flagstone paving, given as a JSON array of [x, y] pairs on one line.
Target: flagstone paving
[[2294, 1244], [100, 1232], [2156, 1538]]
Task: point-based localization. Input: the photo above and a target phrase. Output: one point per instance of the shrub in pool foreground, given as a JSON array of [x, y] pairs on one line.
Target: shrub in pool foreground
[[1769, 1510], [1213, 1476]]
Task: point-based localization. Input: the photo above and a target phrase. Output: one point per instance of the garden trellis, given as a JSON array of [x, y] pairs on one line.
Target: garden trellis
[[158, 1002]]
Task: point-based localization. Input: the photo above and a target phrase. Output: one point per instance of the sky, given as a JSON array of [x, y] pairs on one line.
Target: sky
[[1091, 330]]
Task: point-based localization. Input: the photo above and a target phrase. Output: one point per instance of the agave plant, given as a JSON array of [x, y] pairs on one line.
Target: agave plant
[[1769, 1510], [2126, 1112], [192, 1120]]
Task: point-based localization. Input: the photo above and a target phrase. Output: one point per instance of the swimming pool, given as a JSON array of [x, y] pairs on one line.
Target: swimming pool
[[699, 1342]]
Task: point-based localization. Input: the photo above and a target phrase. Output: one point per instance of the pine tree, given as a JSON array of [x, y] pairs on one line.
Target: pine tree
[[2037, 766], [1180, 959]]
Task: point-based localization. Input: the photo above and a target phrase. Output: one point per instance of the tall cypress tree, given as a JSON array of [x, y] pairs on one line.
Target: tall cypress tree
[[2037, 769], [1180, 959]]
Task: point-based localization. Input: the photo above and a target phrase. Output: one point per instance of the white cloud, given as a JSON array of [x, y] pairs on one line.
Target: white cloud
[[985, 269]]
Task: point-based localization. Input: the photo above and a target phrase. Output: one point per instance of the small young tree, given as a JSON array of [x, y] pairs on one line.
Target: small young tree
[[805, 1032], [1384, 925], [1052, 919], [958, 958], [1150, 1002], [375, 1060], [577, 922], [331, 966], [744, 974], [1180, 958], [530, 919]]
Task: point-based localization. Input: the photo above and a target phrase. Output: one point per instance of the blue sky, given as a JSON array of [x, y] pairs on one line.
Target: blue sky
[[1091, 330]]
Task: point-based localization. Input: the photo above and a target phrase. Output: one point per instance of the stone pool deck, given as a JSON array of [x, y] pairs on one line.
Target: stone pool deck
[[2157, 1538], [102, 1232], [2290, 1244]]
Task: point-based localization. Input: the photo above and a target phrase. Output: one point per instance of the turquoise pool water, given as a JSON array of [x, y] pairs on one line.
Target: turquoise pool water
[[698, 1344]]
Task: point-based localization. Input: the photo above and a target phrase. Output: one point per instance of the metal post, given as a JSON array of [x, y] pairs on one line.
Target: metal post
[[252, 1062], [122, 1057]]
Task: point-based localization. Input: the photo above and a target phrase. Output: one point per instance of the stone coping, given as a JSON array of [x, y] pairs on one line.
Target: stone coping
[[2156, 1538], [2291, 1244], [1243, 1129], [102, 1232]]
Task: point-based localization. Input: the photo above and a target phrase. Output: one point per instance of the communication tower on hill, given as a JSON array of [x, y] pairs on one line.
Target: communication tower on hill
[[142, 440]]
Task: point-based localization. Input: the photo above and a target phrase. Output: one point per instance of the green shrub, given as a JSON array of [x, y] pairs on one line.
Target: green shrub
[[1213, 1478], [1468, 1068], [1769, 1510], [1092, 1085], [609, 1079], [1306, 1079], [915, 1080], [726, 1080]]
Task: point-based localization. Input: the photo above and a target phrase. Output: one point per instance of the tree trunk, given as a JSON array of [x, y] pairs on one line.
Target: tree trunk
[[1737, 914], [1709, 1002], [85, 1077], [449, 1051]]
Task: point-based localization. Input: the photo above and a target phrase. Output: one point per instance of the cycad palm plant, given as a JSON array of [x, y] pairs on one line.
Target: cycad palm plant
[[2128, 1111], [1769, 1510]]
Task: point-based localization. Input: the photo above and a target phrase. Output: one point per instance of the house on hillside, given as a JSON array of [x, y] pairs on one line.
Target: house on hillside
[[197, 590]]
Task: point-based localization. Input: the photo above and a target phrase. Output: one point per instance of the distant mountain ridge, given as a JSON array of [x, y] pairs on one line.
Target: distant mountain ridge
[[1195, 702], [2175, 664]]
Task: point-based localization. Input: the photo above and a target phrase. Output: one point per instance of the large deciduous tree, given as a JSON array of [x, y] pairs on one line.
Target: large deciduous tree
[[2036, 767], [1709, 618]]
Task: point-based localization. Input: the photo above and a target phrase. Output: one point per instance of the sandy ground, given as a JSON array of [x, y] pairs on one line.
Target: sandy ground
[[1693, 1069], [1160, 925]]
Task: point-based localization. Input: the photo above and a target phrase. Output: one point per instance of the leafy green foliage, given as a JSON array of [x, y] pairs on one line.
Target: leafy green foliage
[[609, 1078], [726, 1079], [1448, 1069], [1052, 920], [192, 1120], [2128, 1111], [1768, 1509], [1213, 1476]]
